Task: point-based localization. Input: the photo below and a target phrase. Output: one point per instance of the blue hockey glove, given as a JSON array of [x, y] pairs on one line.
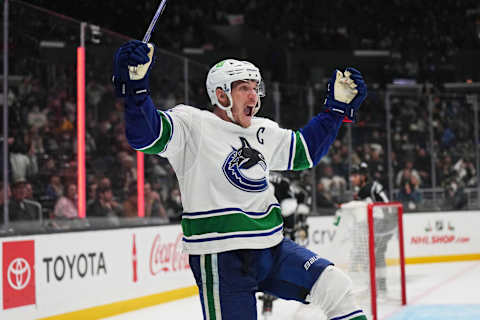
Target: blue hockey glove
[[131, 68], [346, 92]]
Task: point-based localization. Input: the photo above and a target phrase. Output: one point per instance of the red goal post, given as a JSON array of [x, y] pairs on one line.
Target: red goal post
[[369, 246]]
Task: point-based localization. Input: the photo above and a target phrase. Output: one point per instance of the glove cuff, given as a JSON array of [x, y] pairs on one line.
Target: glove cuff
[[341, 108], [131, 88]]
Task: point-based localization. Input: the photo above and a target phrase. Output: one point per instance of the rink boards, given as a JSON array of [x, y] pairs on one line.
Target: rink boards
[[96, 274], [428, 237], [90, 275]]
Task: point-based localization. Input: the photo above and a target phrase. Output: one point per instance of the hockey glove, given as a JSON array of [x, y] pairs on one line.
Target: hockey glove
[[346, 92], [131, 67]]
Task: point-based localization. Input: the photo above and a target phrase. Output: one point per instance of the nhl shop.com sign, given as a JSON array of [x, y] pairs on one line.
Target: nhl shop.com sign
[[18, 273]]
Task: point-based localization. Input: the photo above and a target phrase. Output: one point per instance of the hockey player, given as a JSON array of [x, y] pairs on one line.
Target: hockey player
[[294, 203], [385, 221], [366, 189], [232, 223]]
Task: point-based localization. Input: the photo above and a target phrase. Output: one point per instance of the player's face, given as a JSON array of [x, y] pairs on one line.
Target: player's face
[[245, 98]]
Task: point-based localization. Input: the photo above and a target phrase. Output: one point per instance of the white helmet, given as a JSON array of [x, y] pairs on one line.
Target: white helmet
[[224, 73]]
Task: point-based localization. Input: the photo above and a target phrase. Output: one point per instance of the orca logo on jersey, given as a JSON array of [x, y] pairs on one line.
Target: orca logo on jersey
[[245, 168]]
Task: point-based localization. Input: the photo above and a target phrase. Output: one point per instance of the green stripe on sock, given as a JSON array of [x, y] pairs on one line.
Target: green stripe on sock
[[161, 143], [208, 271]]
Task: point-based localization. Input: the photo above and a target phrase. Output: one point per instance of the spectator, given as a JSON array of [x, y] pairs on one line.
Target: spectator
[[35, 140], [324, 203], [23, 162], [54, 188], [407, 174], [48, 167], [466, 172], [339, 166], [28, 191], [105, 182], [130, 205], [409, 196], [455, 196], [444, 169], [333, 184], [36, 119], [92, 193], [154, 204], [423, 165], [9, 194], [19, 208], [105, 205], [66, 206], [376, 164], [127, 173], [173, 205]]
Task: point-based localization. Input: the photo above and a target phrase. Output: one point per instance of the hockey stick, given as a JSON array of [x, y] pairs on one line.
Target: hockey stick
[[159, 12], [146, 38]]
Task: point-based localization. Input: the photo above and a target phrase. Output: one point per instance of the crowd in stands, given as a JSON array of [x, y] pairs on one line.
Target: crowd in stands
[[42, 111], [452, 170], [422, 37], [43, 153]]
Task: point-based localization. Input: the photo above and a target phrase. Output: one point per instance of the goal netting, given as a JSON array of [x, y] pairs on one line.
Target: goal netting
[[369, 247]]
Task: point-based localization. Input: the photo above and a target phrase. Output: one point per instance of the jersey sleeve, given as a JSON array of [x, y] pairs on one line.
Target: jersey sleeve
[[290, 150], [303, 149], [156, 132], [319, 133]]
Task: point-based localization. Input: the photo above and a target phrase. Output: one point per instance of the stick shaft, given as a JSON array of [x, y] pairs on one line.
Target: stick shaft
[[160, 9]]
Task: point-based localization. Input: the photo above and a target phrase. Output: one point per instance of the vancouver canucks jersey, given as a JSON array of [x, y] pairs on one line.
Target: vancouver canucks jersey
[[223, 172]]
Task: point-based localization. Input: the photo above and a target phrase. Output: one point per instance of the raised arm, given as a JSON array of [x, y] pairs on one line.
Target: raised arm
[[132, 64], [346, 92]]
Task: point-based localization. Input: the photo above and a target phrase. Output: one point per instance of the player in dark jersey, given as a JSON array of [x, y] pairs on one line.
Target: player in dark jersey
[[371, 190], [367, 189]]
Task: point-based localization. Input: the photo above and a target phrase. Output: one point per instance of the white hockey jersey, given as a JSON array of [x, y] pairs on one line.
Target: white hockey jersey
[[223, 172]]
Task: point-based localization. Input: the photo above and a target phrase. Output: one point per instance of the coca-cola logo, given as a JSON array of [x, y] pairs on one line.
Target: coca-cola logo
[[19, 273], [167, 256]]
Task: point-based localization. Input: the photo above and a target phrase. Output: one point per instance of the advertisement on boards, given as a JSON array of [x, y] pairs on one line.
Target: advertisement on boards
[[452, 233], [18, 270]]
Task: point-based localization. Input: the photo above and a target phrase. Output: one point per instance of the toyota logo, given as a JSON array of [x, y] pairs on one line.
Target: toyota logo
[[18, 273]]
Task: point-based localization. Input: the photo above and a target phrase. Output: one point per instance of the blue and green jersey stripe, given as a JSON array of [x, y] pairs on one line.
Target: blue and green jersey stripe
[[164, 137], [231, 223]]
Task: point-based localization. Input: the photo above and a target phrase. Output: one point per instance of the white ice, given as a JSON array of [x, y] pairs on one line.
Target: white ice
[[450, 285]]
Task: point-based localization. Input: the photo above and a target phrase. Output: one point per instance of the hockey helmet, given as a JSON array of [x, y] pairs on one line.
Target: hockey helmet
[[224, 73]]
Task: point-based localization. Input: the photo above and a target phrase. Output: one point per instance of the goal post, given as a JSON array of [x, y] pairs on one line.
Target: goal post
[[371, 207], [369, 247]]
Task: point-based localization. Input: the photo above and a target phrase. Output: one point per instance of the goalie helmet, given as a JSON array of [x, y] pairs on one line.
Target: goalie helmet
[[224, 73]]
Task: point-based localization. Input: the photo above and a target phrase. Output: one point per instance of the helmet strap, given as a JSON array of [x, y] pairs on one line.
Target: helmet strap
[[257, 107], [228, 109], [230, 105]]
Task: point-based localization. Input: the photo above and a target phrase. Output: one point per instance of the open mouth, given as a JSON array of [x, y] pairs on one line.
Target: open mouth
[[249, 111]]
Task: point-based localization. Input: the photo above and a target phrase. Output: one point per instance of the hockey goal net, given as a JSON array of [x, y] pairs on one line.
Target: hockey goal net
[[369, 243]]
